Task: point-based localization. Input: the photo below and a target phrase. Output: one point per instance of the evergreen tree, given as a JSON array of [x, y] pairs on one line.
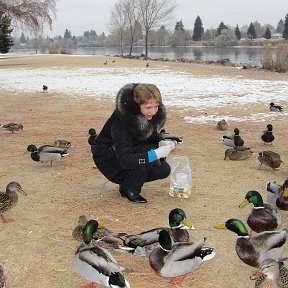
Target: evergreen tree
[[251, 31], [280, 27], [198, 29], [237, 32], [23, 39], [6, 41], [267, 33], [221, 27], [285, 31], [67, 34]]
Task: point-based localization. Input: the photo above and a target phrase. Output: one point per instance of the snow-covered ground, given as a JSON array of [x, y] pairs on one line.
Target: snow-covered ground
[[177, 89]]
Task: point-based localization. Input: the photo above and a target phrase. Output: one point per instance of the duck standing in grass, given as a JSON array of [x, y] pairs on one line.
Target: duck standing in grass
[[143, 243], [271, 274], [253, 250], [12, 127], [263, 217], [174, 260], [268, 136], [46, 153], [270, 159], [233, 140], [9, 199], [96, 264], [275, 108]]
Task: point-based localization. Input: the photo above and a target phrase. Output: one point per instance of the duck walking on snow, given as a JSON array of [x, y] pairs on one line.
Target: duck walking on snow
[[46, 153], [96, 264], [233, 140], [268, 136]]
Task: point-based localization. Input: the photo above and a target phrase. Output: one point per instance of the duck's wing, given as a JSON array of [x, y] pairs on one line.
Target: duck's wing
[[145, 238], [182, 251], [51, 149], [269, 244], [100, 259], [5, 201]]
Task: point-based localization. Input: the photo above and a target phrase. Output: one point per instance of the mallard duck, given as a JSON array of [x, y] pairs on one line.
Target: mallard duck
[[64, 144], [92, 136], [270, 159], [271, 274], [233, 140], [274, 191], [143, 243], [277, 195], [103, 236], [177, 259], [77, 231], [268, 135], [275, 108], [238, 153], [263, 217], [9, 198], [96, 264], [222, 125], [12, 127], [253, 250], [46, 153], [2, 278]]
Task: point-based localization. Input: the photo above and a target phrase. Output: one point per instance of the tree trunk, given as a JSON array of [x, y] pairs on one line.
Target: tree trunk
[[146, 44]]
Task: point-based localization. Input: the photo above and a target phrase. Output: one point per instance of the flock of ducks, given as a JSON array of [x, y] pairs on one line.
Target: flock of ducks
[[263, 246], [169, 250]]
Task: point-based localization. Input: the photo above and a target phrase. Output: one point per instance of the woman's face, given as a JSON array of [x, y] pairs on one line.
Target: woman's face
[[149, 109]]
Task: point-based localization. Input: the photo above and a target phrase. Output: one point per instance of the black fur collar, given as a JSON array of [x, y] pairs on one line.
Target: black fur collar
[[128, 110]]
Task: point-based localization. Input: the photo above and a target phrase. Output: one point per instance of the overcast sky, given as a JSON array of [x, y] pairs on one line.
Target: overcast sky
[[79, 16]]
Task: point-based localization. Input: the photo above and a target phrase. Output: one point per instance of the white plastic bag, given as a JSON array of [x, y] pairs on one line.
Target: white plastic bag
[[180, 177]]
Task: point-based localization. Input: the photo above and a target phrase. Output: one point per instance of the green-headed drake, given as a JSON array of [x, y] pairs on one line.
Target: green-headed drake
[[233, 140], [268, 135], [96, 264], [271, 274], [253, 250], [92, 136], [9, 198], [263, 217], [46, 153], [177, 259], [146, 241], [270, 159]]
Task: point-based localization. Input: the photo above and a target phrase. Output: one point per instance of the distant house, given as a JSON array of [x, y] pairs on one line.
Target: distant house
[[277, 36]]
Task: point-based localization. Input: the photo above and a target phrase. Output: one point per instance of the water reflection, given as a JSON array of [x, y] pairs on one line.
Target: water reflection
[[237, 55]]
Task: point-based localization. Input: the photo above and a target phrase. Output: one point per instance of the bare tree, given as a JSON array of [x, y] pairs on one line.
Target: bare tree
[[153, 13], [119, 21], [29, 14], [132, 17]]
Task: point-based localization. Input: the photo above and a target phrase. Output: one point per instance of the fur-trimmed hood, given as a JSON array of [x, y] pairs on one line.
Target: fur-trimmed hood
[[128, 110]]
